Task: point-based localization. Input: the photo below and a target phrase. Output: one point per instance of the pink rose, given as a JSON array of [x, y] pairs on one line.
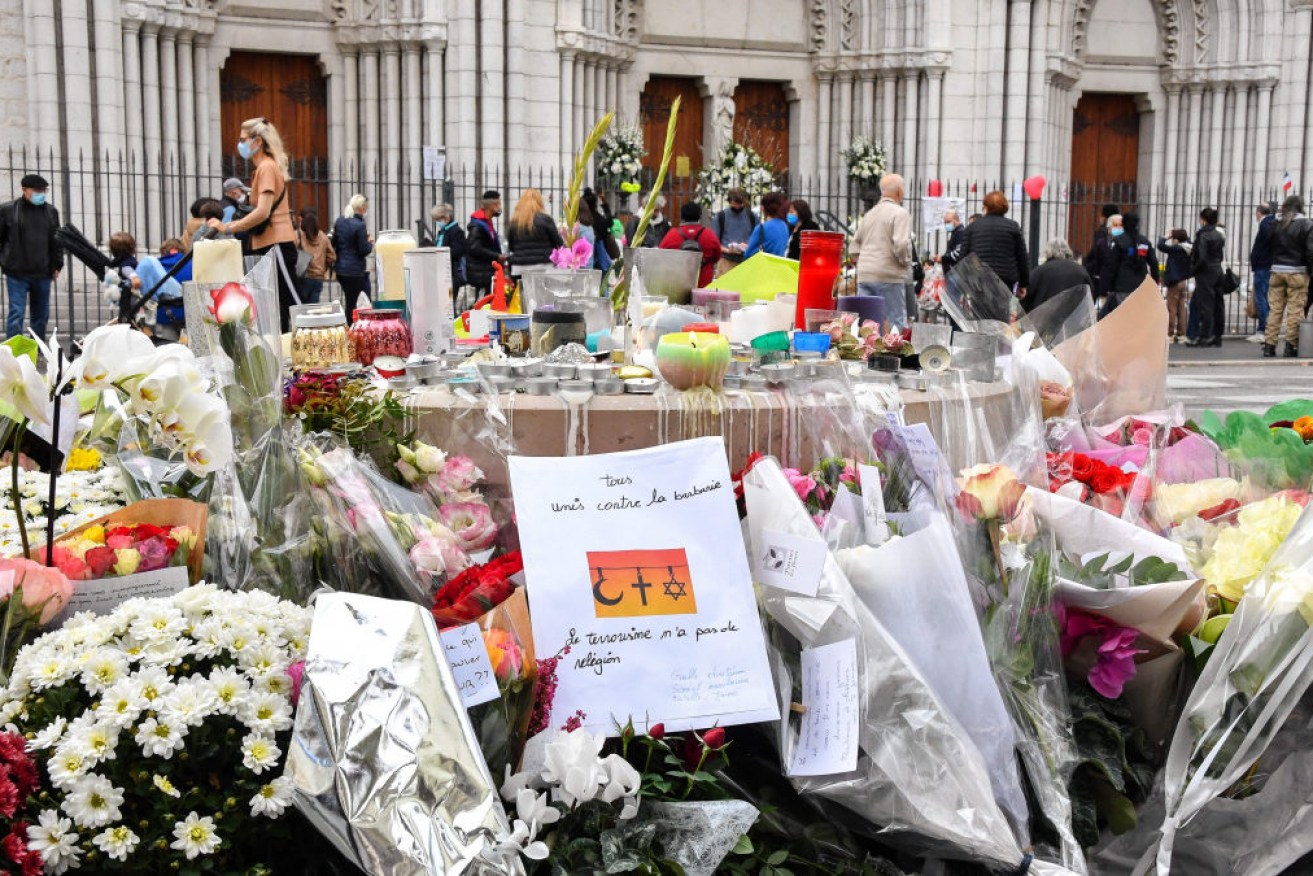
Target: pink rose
[[1142, 436], [801, 483], [459, 473], [46, 590], [119, 541], [472, 524], [155, 554]]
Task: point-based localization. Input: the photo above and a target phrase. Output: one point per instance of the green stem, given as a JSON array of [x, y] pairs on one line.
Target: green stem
[[688, 790], [13, 489], [15, 598]]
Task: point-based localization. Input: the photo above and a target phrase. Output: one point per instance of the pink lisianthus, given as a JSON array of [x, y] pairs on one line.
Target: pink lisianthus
[[893, 340], [801, 483], [1114, 656], [46, 590], [459, 473], [438, 554], [472, 524]]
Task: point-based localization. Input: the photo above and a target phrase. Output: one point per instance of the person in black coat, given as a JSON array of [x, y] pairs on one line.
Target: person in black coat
[[1131, 260], [800, 219], [1059, 272], [1099, 250], [1176, 246], [957, 235], [353, 245], [1206, 265], [29, 255], [997, 241], [482, 245], [533, 233]]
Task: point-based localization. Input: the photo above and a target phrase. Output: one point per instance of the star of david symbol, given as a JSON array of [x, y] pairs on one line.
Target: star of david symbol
[[675, 589]]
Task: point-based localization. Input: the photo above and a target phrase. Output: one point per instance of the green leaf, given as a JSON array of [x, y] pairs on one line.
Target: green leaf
[[743, 846], [777, 858]]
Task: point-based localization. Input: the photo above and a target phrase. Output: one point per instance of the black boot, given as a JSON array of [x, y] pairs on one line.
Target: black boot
[[1269, 351], [1216, 341], [1290, 352]]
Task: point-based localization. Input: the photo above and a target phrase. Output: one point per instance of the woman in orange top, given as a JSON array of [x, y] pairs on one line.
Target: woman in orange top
[[269, 224]]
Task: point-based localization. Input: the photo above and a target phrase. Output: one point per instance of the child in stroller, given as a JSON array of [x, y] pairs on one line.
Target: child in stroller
[[130, 280]]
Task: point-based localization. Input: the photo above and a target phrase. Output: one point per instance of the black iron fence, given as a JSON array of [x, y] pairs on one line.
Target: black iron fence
[[150, 199]]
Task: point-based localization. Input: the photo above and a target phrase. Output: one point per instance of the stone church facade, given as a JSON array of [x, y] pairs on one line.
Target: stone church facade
[[1165, 94]]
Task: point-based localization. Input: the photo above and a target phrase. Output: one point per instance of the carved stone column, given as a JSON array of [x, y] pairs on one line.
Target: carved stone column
[[719, 109]]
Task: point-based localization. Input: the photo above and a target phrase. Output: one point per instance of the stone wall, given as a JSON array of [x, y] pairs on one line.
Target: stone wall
[[13, 76]]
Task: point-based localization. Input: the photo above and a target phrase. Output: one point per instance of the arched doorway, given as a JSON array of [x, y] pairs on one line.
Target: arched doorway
[[291, 92], [654, 112], [1105, 154], [761, 120]]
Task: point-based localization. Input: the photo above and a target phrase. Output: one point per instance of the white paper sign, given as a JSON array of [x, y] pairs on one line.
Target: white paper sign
[[636, 561], [923, 451], [872, 504], [790, 562], [828, 741], [104, 595], [435, 163], [468, 658]]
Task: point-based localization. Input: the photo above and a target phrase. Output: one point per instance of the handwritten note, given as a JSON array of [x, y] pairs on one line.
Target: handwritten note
[[636, 561], [873, 511], [828, 741], [926, 457], [469, 662], [106, 594], [790, 562]]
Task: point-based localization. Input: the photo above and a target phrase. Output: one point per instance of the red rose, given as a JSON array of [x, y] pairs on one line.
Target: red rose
[[657, 731], [691, 752], [1082, 467], [101, 560], [1106, 482], [714, 739]]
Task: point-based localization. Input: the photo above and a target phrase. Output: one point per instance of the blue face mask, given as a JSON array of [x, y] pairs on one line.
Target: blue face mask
[[1116, 232], [948, 227], [38, 198], [792, 218], [244, 149]]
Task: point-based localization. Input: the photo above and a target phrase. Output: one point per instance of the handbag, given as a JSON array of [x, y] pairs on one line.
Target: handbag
[[303, 258], [1230, 282]]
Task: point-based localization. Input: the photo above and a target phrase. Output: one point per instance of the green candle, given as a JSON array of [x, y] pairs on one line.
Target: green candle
[[688, 359]]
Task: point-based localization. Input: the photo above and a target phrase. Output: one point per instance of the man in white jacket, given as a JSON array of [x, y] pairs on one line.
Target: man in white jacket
[[882, 250]]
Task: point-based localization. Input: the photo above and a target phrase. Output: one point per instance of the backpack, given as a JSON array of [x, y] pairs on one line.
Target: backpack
[[691, 244]]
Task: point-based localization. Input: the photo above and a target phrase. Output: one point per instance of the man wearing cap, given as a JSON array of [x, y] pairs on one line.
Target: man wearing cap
[[235, 205], [29, 255]]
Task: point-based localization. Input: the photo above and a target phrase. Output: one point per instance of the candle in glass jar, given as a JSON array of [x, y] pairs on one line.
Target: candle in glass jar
[[217, 261], [689, 359], [391, 266]]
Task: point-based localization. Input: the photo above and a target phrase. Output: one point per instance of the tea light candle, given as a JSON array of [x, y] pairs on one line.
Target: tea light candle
[[688, 359], [217, 261]]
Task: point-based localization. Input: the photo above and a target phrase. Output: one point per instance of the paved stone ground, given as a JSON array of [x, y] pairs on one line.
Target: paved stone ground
[[1233, 377]]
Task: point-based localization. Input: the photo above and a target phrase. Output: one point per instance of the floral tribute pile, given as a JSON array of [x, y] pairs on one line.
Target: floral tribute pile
[[97, 552]]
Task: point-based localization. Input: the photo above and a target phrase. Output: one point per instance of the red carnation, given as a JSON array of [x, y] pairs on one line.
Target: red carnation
[[101, 560]]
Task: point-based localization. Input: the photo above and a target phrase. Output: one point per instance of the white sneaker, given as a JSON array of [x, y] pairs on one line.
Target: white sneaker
[[1255, 338]]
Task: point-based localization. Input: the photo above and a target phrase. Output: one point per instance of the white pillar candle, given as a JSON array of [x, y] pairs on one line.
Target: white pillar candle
[[391, 269], [217, 261]]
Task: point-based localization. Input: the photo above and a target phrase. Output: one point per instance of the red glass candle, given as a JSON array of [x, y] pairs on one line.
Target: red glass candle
[[819, 260], [380, 333]]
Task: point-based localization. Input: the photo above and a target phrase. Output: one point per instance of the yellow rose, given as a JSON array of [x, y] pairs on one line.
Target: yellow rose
[[989, 492], [128, 560], [1241, 551], [94, 533]]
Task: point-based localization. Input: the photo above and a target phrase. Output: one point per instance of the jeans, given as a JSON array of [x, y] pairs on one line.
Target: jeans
[[1262, 278], [311, 290], [21, 289], [895, 300]]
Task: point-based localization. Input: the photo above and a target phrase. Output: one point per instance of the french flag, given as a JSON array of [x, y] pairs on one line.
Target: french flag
[[1286, 183]]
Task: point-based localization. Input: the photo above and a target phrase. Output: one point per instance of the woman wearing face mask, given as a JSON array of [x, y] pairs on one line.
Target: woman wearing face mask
[[269, 223], [799, 219], [1132, 260]]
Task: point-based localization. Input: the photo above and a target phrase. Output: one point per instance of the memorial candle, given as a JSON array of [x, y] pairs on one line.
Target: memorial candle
[[689, 359], [217, 261], [391, 268]]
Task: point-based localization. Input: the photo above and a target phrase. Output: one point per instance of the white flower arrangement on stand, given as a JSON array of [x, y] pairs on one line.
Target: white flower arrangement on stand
[[866, 159], [620, 158], [161, 729], [80, 497], [738, 167]]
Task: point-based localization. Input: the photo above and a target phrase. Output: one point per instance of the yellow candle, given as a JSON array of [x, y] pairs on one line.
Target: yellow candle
[[689, 359], [217, 261], [391, 268]]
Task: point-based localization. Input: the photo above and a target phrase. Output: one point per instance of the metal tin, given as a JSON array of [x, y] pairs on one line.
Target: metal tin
[[594, 372], [609, 386], [733, 381], [911, 380], [424, 369], [540, 385], [754, 383], [778, 372], [402, 383], [560, 370], [469, 384], [527, 367], [641, 385], [501, 384], [739, 366], [390, 366], [629, 372], [495, 369]]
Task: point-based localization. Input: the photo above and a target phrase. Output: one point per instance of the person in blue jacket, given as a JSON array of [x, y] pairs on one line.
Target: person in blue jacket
[[772, 235]]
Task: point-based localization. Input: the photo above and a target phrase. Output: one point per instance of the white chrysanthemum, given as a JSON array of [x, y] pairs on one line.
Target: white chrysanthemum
[[263, 658], [105, 668], [267, 713], [159, 738], [69, 764], [229, 687], [159, 620], [189, 703], [259, 753], [94, 802], [164, 786], [116, 842], [53, 671], [209, 636], [195, 836], [276, 683], [238, 637], [154, 684], [121, 704], [48, 736], [272, 799], [97, 741], [54, 838]]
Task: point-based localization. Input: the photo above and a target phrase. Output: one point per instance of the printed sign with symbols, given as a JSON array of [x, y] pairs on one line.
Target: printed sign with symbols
[[468, 657]]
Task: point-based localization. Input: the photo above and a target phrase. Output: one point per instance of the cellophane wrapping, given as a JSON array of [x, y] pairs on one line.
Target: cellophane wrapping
[[974, 296], [383, 759], [919, 781], [1257, 673]]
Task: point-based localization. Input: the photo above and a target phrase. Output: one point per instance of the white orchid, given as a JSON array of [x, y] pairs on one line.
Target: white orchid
[[22, 386], [106, 353], [166, 386]]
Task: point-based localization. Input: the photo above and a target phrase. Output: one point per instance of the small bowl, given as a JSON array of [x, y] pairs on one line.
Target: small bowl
[[527, 367], [495, 369], [595, 372], [540, 385], [560, 370], [641, 385], [778, 372]]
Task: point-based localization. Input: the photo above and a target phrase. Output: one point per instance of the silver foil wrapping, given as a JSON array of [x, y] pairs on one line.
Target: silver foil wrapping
[[383, 759]]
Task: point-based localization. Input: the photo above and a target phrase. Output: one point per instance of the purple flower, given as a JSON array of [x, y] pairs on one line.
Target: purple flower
[[155, 554]]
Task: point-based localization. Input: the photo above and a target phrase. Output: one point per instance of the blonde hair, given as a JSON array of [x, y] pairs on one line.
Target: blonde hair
[[273, 142], [357, 203], [529, 206]]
